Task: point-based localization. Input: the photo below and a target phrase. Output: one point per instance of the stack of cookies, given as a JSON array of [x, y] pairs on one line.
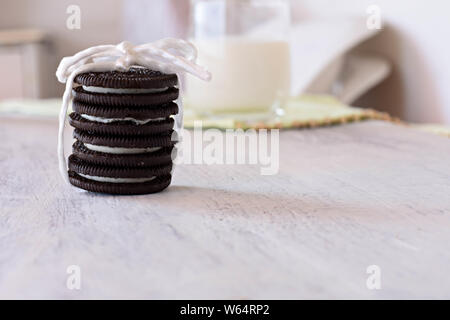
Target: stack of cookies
[[123, 131]]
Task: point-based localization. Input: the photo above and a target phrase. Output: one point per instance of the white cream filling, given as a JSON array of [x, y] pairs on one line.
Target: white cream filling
[[120, 150], [122, 90], [116, 180], [110, 120]]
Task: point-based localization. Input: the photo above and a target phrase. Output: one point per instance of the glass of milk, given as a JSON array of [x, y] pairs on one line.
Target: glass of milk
[[244, 43]]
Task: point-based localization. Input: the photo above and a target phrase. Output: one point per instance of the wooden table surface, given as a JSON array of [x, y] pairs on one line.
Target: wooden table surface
[[345, 198]]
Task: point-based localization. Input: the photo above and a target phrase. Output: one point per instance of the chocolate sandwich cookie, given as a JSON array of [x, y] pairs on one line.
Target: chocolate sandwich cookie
[[156, 185], [120, 126], [166, 139], [135, 87], [133, 78], [125, 99], [119, 172], [160, 156], [118, 180], [139, 113]]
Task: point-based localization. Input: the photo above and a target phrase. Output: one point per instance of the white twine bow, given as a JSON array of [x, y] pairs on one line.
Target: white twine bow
[[166, 55]]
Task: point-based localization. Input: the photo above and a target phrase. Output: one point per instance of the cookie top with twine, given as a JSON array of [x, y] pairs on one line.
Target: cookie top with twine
[[166, 55]]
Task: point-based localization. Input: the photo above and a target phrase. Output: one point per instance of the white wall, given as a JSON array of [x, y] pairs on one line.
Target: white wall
[[101, 22], [415, 39], [150, 20]]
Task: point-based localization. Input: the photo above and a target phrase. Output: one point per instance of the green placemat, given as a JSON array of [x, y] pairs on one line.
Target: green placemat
[[433, 128], [38, 108], [302, 112]]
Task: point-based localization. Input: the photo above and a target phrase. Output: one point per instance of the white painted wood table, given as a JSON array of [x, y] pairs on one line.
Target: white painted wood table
[[346, 197]]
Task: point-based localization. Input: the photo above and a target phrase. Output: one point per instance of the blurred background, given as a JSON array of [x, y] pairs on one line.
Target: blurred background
[[401, 68]]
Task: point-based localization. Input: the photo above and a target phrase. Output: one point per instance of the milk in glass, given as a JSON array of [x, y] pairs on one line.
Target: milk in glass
[[244, 44], [248, 75]]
